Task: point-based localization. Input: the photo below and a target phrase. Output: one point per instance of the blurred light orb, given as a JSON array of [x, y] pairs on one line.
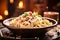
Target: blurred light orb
[[1, 17], [11, 1], [6, 12], [21, 4]]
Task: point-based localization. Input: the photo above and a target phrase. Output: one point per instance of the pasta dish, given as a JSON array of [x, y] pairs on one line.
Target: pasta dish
[[30, 20]]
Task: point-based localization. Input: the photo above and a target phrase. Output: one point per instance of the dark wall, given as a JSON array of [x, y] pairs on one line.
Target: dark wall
[[53, 4]]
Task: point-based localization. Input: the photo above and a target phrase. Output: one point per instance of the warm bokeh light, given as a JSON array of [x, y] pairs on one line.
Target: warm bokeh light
[[1, 17], [11, 1], [21, 4], [6, 12]]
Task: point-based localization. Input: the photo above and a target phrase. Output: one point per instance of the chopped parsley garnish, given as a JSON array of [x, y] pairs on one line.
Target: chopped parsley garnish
[[36, 14], [39, 15], [24, 15]]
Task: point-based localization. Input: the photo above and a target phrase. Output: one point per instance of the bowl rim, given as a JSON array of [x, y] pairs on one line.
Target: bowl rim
[[29, 28]]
